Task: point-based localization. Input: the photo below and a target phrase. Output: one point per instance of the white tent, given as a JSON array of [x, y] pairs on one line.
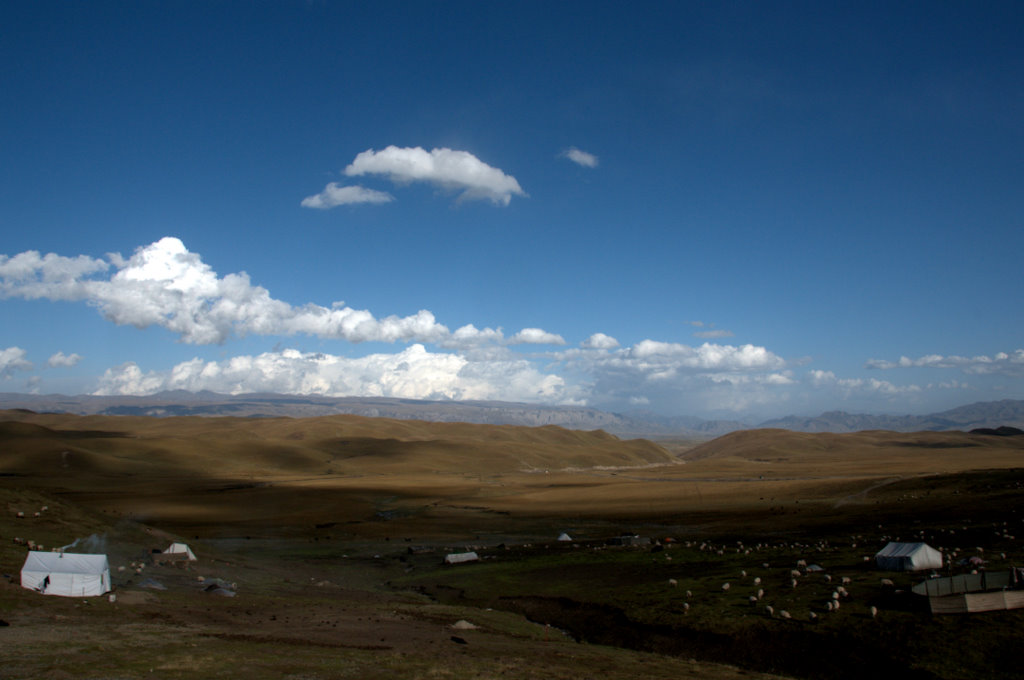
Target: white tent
[[461, 558], [182, 551], [67, 574], [908, 557], [565, 537]]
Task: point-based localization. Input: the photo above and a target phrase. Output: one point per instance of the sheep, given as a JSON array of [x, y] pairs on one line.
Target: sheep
[[795, 573], [21, 515], [783, 614], [757, 580], [672, 582], [752, 599], [689, 594], [725, 587], [813, 617], [846, 580], [828, 578], [829, 606], [793, 583], [842, 591], [874, 611], [801, 563], [835, 605], [743, 573], [686, 607], [769, 610], [835, 594], [760, 593]]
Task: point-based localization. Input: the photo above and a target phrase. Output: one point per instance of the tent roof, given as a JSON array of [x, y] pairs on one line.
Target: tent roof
[[176, 548], [65, 563], [894, 549]]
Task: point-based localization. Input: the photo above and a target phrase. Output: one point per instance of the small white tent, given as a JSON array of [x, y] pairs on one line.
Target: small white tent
[[67, 574], [181, 551], [565, 537], [908, 557]]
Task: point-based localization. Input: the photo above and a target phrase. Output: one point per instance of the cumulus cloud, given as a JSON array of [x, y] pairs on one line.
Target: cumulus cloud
[[165, 285], [334, 195], [448, 169], [1001, 363], [61, 359], [413, 373], [587, 160], [536, 336], [13, 359], [600, 341]]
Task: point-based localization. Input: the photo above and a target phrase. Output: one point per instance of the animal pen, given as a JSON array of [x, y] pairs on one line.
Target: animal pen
[[970, 593]]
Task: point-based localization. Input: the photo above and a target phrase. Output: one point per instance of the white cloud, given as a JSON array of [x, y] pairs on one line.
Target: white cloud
[[165, 285], [451, 170], [536, 336], [820, 378], [61, 359], [587, 160], [1001, 363], [413, 373], [600, 341], [334, 195], [13, 359]]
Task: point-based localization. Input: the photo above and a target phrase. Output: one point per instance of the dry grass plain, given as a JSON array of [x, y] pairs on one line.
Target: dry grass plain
[[333, 530]]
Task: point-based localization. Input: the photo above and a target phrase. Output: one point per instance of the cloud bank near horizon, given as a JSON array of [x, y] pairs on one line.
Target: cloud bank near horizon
[[165, 285]]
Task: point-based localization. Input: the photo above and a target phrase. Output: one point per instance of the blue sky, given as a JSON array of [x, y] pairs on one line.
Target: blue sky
[[736, 210]]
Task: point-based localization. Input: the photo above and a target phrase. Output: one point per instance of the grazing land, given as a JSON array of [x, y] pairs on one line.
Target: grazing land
[[326, 536]]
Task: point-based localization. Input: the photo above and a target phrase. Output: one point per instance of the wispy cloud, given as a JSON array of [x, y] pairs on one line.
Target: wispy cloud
[[579, 157], [334, 195], [1001, 363], [452, 170]]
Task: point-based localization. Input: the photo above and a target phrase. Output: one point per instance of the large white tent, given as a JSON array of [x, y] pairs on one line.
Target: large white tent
[[908, 557], [67, 574]]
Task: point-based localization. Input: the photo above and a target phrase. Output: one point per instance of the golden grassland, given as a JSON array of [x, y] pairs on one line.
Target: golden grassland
[[278, 504]]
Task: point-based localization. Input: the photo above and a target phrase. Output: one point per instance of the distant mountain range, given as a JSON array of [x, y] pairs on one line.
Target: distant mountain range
[[992, 414]]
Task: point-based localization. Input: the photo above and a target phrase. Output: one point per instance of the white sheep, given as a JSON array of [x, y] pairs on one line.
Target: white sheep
[[793, 583], [874, 611], [757, 580], [725, 586], [760, 593], [829, 605], [828, 578], [795, 573], [846, 580], [689, 594], [784, 614], [752, 599], [686, 607], [768, 610], [672, 582]]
